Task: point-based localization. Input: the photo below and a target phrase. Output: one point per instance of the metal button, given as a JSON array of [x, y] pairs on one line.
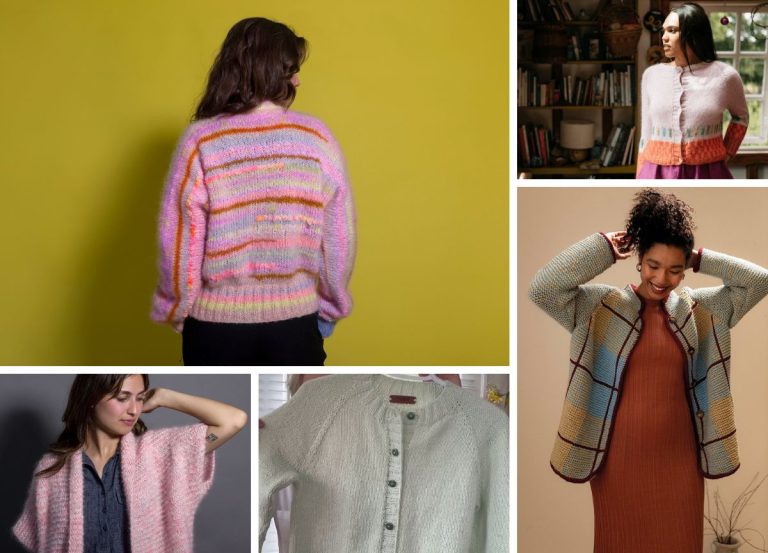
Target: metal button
[[691, 350], [672, 320], [411, 415], [395, 452], [700, 414], [392, 483], [389, 526]]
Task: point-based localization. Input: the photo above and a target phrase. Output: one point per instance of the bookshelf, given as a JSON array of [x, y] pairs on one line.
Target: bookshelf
[[552, 60]]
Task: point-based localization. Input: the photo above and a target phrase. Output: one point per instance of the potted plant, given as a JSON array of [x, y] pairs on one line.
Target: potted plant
[[724, 522]]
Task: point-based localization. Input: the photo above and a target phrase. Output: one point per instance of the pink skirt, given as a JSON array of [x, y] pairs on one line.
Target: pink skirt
[[715, 170]]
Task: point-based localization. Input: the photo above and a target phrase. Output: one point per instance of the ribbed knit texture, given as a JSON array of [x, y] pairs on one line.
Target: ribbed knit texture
[[370, 478], [605, 325], [682, 114], [649, 495], [166, 473], [257, 222]]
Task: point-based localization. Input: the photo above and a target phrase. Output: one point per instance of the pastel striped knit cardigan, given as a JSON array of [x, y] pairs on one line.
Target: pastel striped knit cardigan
[[605, 324], [371, 476], [257, 222], [166, 473], [682, 114]]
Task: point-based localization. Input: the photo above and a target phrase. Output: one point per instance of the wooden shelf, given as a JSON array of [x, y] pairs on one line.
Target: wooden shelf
[[576, 170], [574, 107], [628, 61], [537, 24]]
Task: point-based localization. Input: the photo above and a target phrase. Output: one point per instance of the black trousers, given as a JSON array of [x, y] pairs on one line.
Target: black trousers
[[290, 342]]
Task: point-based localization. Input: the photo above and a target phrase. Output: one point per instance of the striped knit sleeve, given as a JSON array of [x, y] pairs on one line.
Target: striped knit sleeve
[[744, 285], [737, 107], [181, 234], [338, 243], [560, 288]]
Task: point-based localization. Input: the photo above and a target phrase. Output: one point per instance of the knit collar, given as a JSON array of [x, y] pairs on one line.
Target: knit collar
[[693, 66], [433, 401], [673, 305]]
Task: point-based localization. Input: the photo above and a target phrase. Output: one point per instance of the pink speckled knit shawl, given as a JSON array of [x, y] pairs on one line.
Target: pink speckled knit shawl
[[166, 473]]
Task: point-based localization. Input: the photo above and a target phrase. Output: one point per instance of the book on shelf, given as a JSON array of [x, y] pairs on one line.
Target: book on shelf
[[610, 88], [534, 142], [616, 150], [547, 11]]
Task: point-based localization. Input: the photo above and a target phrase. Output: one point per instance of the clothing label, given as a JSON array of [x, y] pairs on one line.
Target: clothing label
[[408, 400]]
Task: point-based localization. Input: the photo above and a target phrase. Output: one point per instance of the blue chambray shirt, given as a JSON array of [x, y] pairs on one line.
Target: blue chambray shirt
[[105, 513]]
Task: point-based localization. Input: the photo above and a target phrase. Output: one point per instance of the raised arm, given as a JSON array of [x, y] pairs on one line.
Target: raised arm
[[560, 288], [744, 285], [224, 421]]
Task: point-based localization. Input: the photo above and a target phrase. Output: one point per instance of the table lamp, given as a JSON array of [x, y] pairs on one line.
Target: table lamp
[[578, 137]]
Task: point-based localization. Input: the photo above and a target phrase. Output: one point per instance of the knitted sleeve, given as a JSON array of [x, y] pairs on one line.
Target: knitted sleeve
[[497, 491], [744, 285], [645, 118], [338, 242], [737, 107], [289, 437], [44, 510], [560, 288], [181, 235]]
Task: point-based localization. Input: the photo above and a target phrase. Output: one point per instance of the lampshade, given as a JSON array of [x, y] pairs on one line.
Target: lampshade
[[577, 134]]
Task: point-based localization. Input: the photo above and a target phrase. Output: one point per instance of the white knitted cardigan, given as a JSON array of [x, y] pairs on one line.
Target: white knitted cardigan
[[371, 476]]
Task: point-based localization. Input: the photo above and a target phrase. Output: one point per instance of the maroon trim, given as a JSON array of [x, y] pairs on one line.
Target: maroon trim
[[719, 350], [687, 378], [617, 388], [407, 400], [583, 347], [610, 245], [582, 367], [697, 263], [566, 440], [620, 316], [720, 438], [568, 478], [716, 476]]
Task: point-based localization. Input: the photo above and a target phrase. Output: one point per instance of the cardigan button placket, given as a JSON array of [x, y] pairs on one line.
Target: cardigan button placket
[[394, 428]]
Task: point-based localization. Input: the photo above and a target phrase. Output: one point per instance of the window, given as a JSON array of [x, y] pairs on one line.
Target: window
[[741, 40]]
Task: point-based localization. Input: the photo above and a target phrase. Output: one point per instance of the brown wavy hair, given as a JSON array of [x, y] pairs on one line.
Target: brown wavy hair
[[255, 64], [86, 391]]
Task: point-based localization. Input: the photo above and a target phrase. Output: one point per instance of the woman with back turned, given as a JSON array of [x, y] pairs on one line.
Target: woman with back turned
[[257, 224]]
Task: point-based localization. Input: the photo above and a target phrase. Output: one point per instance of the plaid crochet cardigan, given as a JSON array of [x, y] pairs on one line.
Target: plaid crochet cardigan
[[605, 324]]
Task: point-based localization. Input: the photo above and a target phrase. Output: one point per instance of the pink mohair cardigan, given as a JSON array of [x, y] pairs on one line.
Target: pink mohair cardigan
[[166, 473]]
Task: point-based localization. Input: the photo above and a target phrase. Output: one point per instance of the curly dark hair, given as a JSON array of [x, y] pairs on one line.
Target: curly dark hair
[[659, 218]]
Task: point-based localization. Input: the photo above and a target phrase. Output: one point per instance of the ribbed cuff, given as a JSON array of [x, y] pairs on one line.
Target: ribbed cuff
[[697, 263], [610, 245]]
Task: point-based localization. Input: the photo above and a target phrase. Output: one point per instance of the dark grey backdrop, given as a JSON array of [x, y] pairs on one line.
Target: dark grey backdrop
[[30, 418]]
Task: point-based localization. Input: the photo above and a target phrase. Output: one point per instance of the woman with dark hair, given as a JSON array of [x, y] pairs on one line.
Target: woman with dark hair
[[109, 484], [683, 103], [257, 225], [648, 412]]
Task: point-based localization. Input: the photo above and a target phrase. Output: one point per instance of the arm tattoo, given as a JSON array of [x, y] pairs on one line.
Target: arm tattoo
[[211, 437]]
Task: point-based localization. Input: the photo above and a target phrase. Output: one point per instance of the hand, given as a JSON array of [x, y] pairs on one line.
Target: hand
[[152, 400], [620, 244]]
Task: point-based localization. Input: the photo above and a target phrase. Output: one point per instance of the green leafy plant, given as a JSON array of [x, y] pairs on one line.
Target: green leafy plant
[[724, 522]]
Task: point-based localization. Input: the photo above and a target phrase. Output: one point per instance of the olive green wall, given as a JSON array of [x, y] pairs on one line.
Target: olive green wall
[[95, 95]]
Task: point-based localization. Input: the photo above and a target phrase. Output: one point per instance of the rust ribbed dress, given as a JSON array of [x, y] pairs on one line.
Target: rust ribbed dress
[[649, 494]]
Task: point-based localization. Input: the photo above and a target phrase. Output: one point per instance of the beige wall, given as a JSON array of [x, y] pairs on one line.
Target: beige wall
[[556, 516]]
